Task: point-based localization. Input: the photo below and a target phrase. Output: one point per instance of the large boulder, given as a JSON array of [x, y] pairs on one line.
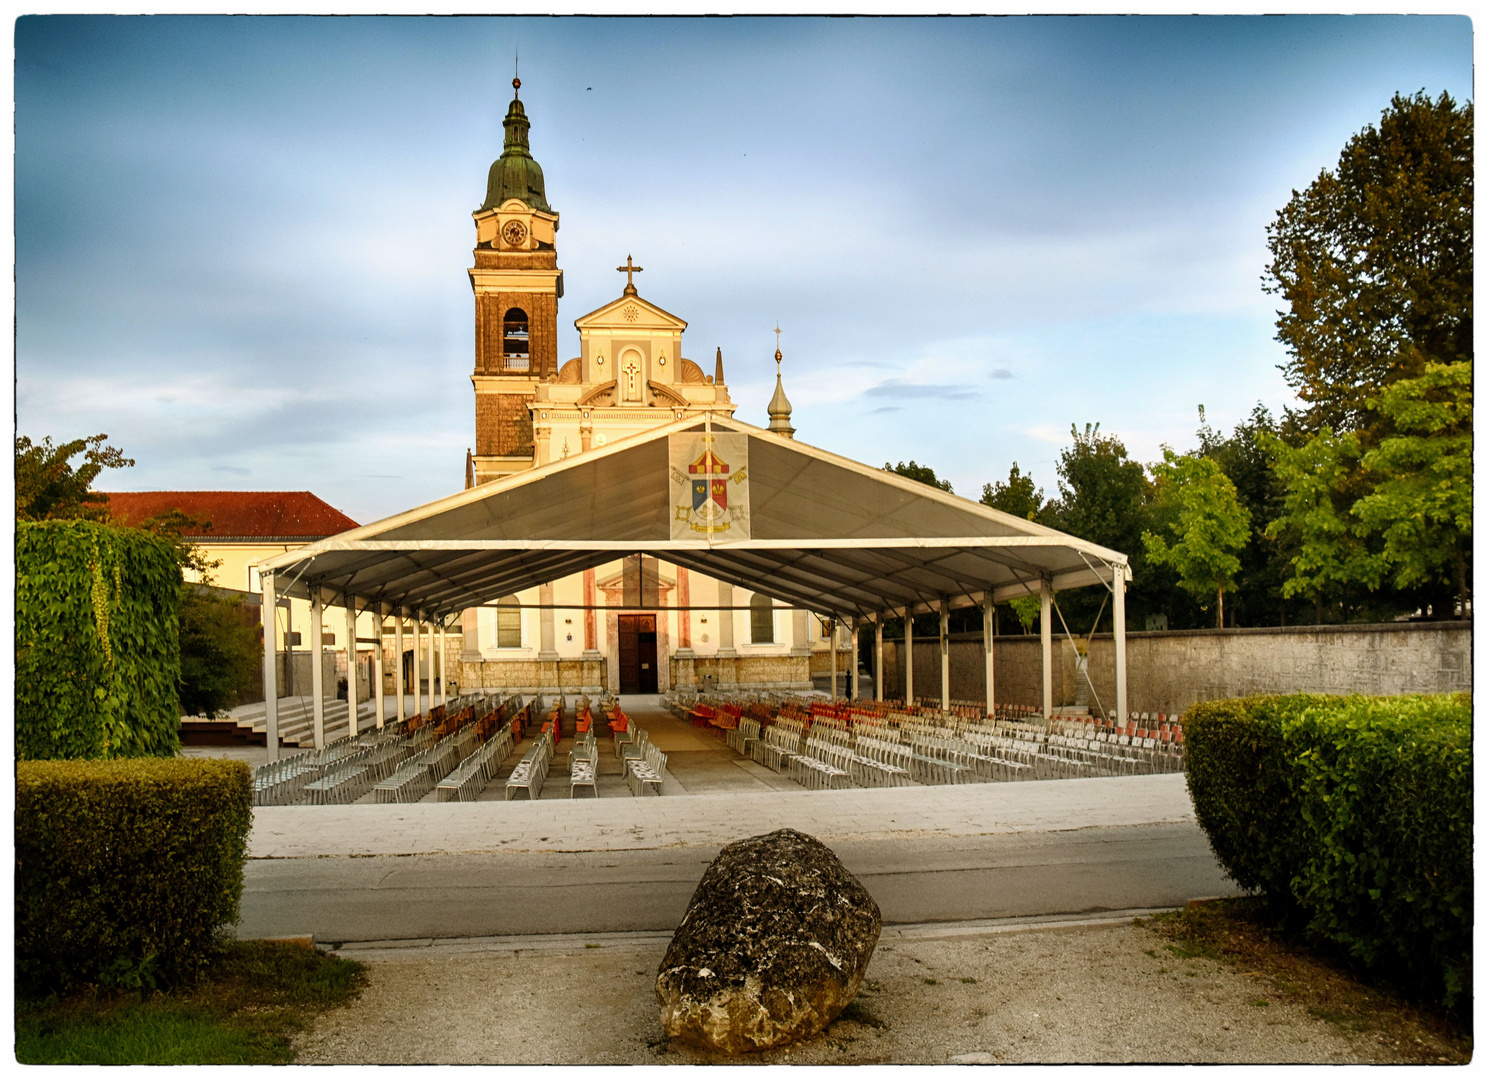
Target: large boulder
[[773, 946]]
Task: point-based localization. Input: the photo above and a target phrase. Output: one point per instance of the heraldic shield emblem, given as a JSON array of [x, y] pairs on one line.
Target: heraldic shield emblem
[[710, 486]]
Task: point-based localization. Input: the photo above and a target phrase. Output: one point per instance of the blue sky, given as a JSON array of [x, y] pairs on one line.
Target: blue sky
[[241, 243]]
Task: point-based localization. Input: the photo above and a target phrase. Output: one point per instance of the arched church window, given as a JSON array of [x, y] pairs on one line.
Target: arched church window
[[515, 340], [508, 623], [761, 620]]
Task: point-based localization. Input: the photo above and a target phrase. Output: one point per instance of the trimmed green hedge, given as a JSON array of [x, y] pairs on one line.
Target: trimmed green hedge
[[126, 870], [97, 657], [1353, 814]]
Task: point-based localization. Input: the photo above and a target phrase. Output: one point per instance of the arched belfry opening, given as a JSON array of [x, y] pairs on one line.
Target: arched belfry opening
[[516, 349]]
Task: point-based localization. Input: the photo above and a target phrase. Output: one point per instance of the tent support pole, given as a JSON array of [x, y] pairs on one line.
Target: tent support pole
[[270, 672], [418, 663], [852, 680], [398, 688], [377, 690], [1118, 625], [909, 655], [945, 656], [351, 671], [988, 626], [1046, 645], [317, 667], [443, 663], [878, 657], [832, 647]]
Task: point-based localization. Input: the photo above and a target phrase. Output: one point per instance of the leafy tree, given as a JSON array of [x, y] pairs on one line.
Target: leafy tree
[[1328, 553], [1205, 523], [1017, 496], [1374, 261], [1397, 516], [218, 646], [1421, 503], [1265, 561], [48, 485], [219, 652], [1103, 494], [923, 473], [1103, 498]]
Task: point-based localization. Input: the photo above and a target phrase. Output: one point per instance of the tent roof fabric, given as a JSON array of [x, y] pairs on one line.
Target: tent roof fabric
[[828, 534]]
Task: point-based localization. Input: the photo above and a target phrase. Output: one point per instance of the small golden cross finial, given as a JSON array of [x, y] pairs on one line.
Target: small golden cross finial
[[630, 270], [516, 71]]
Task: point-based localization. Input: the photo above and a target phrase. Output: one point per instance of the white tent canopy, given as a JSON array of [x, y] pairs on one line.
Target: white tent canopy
[[825, 533], [828, 534]]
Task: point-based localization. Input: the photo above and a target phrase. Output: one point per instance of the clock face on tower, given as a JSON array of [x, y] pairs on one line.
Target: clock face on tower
[[514, 233]]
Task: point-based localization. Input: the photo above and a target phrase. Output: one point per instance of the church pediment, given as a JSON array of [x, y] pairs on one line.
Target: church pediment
[[630, 313]]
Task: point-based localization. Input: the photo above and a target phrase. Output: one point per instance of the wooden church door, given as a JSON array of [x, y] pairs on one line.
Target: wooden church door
[[637, 635]]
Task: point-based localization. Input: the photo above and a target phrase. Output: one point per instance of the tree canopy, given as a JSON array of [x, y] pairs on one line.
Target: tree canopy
[[218, 647], [49, 486], [923, 473], [1375, 262], [1204, 525], [1018, 495]]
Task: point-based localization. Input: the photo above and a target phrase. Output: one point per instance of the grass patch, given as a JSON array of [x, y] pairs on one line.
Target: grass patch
[[253, 998], [1238, 932]]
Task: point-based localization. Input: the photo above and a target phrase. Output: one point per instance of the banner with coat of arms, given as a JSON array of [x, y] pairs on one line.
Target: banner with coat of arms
[[710, 486]]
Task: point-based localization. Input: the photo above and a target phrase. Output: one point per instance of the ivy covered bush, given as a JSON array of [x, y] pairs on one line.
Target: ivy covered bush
[[126, 871], [96, 650], [1352, 815]]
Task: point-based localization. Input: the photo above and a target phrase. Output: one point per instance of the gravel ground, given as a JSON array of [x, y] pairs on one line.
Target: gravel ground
[[1076, 993]]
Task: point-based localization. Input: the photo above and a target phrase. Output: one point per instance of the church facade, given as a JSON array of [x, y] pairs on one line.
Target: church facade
[[635, 625]]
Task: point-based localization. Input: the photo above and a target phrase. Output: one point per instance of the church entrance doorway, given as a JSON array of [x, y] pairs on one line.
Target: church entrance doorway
[[637, 635]]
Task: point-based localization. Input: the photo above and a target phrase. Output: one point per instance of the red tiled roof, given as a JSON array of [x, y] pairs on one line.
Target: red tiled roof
[[296, 514]]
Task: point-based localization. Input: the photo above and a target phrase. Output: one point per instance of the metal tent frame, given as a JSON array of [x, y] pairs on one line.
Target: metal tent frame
[[828, 534]]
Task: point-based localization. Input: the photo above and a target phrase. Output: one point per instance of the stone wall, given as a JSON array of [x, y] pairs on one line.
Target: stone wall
[[791, 672], [1169, 670], [531, 676]]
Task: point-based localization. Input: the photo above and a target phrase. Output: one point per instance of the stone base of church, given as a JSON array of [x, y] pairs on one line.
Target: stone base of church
[[532, 676], [741, 672], [821, 661]]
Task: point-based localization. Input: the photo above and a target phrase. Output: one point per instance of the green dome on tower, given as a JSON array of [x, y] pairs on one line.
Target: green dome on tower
[[514, 175]]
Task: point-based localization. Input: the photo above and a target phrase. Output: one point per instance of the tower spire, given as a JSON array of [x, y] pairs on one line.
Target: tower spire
[[515, 174], [718, 368], [780, 406]]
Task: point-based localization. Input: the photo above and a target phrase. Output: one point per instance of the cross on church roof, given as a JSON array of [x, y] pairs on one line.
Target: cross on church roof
[[629, 270]]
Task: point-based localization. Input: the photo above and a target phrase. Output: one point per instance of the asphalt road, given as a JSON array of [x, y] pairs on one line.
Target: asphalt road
[[380, 898]]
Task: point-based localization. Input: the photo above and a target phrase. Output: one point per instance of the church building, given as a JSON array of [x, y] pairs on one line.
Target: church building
[[637, 625]]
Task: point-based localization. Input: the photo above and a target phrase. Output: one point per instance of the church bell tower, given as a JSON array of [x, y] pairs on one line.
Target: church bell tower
[[517, 285]]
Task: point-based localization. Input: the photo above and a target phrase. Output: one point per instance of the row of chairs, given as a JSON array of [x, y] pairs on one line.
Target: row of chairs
[[645, 773], [532, 770], [583, 764], [811, 769], [348, 768], [472, 775]]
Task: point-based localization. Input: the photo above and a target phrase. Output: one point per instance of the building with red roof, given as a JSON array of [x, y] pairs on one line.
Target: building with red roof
[[294, 517]]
